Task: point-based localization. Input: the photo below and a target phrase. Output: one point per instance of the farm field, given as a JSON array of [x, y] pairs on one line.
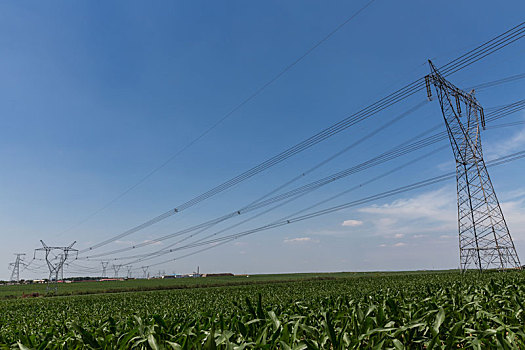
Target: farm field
[[416, 310], [94, 287]]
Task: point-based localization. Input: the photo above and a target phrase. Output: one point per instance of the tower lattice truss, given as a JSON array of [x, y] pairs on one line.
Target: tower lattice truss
[[484, 238]]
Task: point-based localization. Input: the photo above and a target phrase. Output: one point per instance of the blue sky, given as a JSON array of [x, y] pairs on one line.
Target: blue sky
[[97, 94]]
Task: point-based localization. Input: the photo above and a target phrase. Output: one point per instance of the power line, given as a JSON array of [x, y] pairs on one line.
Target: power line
[[461, 62], [402, 149], [432, 139], [257, 92], [498, 161], [440, 137], [497, 82], [256, 203], [400, 190], [166, 250], [359, 186]]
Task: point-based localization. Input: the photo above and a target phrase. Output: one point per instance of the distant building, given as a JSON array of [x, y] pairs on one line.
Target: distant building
[[110, 279], [169, 276], [225, 274]]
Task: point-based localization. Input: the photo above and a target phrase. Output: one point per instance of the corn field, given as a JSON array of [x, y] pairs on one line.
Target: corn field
[[427, 311]]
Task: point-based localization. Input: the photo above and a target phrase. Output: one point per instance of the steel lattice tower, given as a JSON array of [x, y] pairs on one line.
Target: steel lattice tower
[[15, 275], [56, 264], [104, 268], [484, 238], [116, 269], [145, 272]]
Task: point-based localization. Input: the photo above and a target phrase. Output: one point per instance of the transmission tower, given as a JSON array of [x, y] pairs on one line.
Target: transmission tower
[[104, 268], [55, 263], [484, 238], [15, 275], [116, 269], [62, 258], [145, 271], [129, 269]]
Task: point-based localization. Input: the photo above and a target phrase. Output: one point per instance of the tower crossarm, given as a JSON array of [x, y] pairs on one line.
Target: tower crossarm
[[461, 96]]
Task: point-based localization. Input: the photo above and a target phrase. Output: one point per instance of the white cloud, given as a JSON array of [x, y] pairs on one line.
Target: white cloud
[[300, 240], [398, 244], [428, 212], [152, 242], [513, 212], [352, 223], [513, 194], [385, 224], [387, 221], [447, 166], [329, 232], [504, 147], [430, 218], [437, 205]]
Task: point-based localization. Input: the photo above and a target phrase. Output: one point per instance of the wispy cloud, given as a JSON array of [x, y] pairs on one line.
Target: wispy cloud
[[515, 194], [352, 223], [513, 212], [152, 242], [431, 217], [433, 211], [300, 240], [395, 245], [506, 146], [330, 232], [448, 165]]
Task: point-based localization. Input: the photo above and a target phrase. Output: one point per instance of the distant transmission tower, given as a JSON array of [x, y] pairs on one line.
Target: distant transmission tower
[[129, 269], [116, 269], [145, 271], [104, 268], [63, 259], [55, 263], [484, 238], [15, 275]]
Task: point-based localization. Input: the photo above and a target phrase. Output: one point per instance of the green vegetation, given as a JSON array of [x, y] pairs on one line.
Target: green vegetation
[[94, 287], [445, 310]]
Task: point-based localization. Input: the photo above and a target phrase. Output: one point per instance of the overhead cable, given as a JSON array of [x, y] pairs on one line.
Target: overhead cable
[[461, 62]]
